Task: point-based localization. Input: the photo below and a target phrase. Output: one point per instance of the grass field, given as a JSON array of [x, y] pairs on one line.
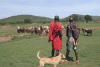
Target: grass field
[[22, 51]]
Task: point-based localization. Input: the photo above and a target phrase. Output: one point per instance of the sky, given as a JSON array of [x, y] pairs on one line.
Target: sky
[[49, 8]]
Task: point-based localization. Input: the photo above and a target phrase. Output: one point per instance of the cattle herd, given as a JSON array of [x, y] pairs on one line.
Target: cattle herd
[[44, 30], [34, 30]]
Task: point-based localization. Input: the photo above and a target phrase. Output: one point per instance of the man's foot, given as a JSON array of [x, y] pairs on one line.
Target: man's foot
[[64, 61], [77, 62]]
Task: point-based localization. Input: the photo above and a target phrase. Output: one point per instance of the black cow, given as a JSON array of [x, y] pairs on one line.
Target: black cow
[[41, 29], [83, 30], [36, 30], [89, 32], [20, 30]]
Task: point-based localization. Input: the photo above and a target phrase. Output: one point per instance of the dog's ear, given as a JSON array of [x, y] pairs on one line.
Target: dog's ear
[[61, 55]]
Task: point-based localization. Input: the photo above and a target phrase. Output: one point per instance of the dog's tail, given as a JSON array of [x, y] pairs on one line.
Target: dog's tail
[[38, 54]]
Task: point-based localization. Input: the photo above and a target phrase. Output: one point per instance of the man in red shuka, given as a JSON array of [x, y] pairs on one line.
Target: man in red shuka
[[55, 35]]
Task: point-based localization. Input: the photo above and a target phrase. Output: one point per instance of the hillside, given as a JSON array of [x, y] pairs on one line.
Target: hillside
[[81, 16], [22, 17], [41, 19]]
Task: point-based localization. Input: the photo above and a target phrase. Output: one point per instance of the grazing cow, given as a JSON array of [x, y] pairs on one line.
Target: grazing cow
[[83, 30], [45, 30], [22, 30], [36, 30], [79, 30], [32, 30], [19, 29], [29, 29], [25, 29], [45, 27], [41, 28], [89, 31]]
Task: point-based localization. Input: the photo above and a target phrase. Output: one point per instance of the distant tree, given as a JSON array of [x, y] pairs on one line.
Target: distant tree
[[75, 17], [80, 18], [11, 22], [87, 18], [27, 20], [44, 22]]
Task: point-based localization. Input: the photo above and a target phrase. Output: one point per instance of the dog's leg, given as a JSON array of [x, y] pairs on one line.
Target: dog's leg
[[54, 65], [42, 63]]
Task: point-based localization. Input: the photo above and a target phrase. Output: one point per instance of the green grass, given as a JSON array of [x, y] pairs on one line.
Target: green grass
[[81, 23], [22, 51]]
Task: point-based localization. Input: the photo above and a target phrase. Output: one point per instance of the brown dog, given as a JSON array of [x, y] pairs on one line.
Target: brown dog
[[53, 60]]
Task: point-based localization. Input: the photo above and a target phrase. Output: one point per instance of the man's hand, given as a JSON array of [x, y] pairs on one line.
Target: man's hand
[[60, 33]]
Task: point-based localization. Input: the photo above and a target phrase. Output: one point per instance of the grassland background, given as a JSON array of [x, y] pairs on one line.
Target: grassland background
[[22, 51]]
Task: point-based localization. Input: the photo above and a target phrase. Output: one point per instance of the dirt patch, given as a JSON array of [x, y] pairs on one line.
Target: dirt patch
[[2, 39], [93, 28], [22, 34], [3, 34], [8, 27]]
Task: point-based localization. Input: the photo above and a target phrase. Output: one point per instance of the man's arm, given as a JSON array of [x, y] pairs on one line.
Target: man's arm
[[60, 31], [50, 33]]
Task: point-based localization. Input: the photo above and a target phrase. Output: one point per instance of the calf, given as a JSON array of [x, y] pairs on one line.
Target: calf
[[89, 31]]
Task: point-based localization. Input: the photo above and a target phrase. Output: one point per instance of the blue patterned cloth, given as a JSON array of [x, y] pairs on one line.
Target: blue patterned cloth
[[71, 46]]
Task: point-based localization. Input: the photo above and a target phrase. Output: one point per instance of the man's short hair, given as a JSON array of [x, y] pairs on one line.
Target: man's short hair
[[56, 18]]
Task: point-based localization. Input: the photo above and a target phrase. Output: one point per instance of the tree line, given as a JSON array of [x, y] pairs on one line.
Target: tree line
[[78, 18], [28, 20]]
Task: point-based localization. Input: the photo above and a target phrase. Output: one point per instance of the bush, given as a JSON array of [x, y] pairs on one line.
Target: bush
[[44, 22], [11, 22], [27, 20]]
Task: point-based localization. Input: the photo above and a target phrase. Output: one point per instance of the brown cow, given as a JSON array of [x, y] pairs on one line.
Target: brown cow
[[29, 29], [79, 29]]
